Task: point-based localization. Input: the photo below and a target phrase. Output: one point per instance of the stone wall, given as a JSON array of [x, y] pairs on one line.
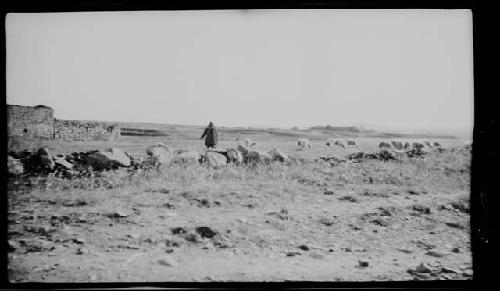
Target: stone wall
[[29, 121], [85, 130], [39, 122]]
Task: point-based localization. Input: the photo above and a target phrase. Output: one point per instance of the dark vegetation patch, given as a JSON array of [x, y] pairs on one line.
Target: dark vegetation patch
[[128, 131]]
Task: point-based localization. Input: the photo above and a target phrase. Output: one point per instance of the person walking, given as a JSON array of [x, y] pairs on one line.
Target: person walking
[[210, 135]]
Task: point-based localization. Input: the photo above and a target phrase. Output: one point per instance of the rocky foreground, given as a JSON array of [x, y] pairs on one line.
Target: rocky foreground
[[104, 216]]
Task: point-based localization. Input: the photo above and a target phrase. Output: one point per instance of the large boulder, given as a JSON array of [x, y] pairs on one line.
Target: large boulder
[[63, 163], [215, 160], [384, 145], [110, 158], [188, 157], [15, 167], [254, 157], [234, 156], [397, 144], [418, 145], [44, 152], [160, 153], [219, 151], [45, 159], [46, 162], [277, 155]]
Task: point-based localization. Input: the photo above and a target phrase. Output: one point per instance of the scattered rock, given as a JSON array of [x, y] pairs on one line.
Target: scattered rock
[[329, 192], [423, 268], [168, 261], [82, 251], [160, 153], [44, 152], [292, 254], [435, 254], [118, 214], [454, 225], [215, 160], [178, 230], [191, 237], [383, 155], [255, 157], [277, 155], [15, 167], [63, 163], [242, 220], [134, 235], [172, 243], [449, 270], [455, 250], [348, 198], [80, 241], [461, 206], [189, 157], [47, 162], [316, 255], [205, 232], [109, 159], [234, 156], [326, 221], [421, 209], [304, 247], [363, 264], [13, 245]]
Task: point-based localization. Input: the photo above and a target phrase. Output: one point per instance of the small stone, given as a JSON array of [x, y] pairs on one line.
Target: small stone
[[423, 268], [449, 270], [316, 255], [169, 262], [120, 214], [435, 254], [205, 232], [363, 264], [303, 247], [329, 192], [455, 250], [348, 249], [292, 254], [79, 240], [453, 224], [82, 251], [134, 235], [13, 245]]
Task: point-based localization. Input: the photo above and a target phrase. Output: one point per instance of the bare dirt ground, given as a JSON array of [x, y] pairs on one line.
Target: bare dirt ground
[[309, 221]]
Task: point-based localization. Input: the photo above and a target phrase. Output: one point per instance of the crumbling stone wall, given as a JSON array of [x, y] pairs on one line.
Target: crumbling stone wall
[[30, 121], [39, 122], [85, 130]]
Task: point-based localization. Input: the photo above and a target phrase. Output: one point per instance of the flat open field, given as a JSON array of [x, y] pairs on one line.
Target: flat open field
[[372, 220]]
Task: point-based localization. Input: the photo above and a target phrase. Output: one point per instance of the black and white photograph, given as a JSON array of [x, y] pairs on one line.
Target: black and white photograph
[[252, 145]]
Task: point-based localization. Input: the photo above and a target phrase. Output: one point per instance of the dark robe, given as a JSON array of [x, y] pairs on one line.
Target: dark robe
[[210, 135]]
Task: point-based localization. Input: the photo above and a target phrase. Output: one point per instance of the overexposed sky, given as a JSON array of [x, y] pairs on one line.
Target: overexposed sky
[[387, 68]]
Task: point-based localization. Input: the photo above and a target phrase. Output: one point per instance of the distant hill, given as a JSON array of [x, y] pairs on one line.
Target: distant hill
[[351, 129]]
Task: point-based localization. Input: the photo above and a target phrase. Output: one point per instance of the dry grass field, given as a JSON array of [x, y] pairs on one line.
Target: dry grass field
[[308, 221]]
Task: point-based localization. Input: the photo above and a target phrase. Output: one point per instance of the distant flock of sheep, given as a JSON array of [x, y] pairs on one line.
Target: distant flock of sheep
[[304, 143]]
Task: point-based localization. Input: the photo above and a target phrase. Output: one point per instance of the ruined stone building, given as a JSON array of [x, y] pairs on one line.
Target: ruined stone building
[[39, 122]]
